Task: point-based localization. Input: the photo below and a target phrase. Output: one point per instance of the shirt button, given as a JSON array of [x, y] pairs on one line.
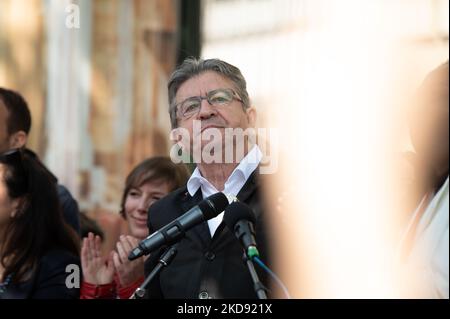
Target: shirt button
[[203, 295], [209, 255]]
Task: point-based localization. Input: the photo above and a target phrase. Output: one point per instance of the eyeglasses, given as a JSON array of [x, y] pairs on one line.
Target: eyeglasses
[[216, 98]]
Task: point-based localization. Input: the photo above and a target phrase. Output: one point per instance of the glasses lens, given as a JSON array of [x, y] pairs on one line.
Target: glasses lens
[[189, 107], [220, 97]]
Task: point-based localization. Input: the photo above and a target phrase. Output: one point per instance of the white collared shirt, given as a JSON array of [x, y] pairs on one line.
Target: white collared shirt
[[233, 185]]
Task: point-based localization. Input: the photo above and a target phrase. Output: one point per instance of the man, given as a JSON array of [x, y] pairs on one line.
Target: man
[[425, 247], [207, 98], [15, 125]]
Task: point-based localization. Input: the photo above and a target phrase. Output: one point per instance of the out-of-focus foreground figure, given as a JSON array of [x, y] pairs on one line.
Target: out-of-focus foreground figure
[[424, 252]]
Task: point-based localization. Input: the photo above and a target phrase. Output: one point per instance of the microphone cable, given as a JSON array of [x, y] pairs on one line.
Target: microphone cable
[[273, 275]]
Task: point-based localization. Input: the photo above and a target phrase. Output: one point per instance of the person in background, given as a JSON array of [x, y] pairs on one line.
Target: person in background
[[89, 225], [36, 245], [15, 125], [117, 277], [425, 245]]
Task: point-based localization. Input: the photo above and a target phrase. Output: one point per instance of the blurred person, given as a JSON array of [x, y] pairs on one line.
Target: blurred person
[[117, 277], [425, 246], [212, 95], [36, 245], [15, 125]]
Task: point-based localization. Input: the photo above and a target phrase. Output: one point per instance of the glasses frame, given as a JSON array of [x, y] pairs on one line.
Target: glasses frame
[[234, 95]]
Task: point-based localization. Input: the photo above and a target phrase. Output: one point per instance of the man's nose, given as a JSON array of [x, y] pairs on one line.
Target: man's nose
[[206, 110]]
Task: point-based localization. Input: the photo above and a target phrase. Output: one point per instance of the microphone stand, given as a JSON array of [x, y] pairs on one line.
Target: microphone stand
[[258, 286], [164, 261]]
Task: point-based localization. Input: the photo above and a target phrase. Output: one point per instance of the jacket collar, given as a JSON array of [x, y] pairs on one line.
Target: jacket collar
[[202, 230]]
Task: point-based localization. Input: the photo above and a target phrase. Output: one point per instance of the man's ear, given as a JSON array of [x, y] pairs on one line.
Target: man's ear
[[18, 139], [175, 135], [251, 116]]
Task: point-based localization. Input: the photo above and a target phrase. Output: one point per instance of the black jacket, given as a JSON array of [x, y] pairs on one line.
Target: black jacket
[[206, 267], [69, 205], [48, 281]]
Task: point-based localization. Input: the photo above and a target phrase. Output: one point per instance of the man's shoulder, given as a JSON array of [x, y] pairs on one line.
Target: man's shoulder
[[167, 208], [171, 198], [69, 207]]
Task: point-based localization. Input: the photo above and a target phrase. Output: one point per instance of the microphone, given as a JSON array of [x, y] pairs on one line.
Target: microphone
[[240, 219], [208, 208]]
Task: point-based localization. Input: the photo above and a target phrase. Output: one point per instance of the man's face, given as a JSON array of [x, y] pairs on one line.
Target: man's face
[[211, 117], [4, 136]]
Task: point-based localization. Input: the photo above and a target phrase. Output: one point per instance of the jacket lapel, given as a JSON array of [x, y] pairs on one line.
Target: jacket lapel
[[246, 191], [200, 231], [249, 187]]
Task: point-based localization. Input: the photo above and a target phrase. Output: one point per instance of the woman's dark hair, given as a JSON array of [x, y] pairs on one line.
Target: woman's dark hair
[[38, 225], [158, 168], [19, 118]]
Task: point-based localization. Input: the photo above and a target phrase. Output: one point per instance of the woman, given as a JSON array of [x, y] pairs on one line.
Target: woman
[[36, 245], [118, 277]]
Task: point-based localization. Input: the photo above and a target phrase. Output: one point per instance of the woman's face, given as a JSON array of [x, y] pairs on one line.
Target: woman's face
[[138, 201], [8, 206]]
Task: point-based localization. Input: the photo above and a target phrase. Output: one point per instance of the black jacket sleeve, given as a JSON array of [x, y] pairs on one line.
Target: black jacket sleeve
[[52, 281]]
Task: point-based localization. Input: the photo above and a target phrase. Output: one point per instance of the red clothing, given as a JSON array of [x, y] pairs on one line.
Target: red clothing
[[112, 290]]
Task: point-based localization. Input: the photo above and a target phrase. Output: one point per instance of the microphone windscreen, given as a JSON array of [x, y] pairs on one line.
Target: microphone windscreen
[[237, 211], [213, 205]]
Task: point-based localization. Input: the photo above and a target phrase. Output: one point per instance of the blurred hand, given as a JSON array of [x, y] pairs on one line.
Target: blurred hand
[[128, 271], [96, 270]]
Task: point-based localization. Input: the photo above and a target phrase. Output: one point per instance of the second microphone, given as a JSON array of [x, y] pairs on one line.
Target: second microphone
[[209, 208]]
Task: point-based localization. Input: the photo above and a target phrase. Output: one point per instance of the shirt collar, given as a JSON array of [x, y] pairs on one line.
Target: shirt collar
[[245, 168]]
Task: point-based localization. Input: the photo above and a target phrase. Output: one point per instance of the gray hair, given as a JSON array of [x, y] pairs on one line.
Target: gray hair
[[192, 67]]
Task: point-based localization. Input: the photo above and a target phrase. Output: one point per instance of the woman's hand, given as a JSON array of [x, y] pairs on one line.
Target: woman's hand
[[128, 271], [96, 270]]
